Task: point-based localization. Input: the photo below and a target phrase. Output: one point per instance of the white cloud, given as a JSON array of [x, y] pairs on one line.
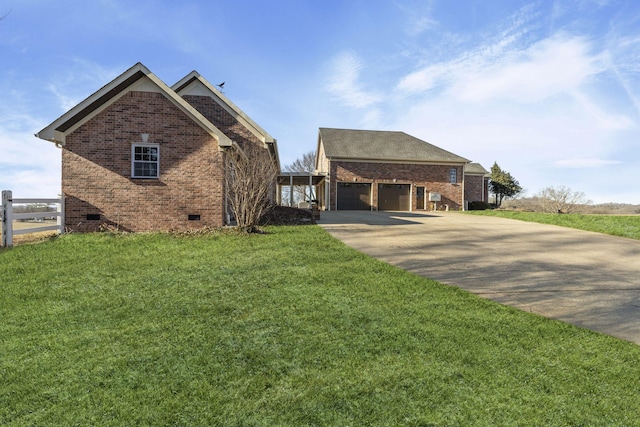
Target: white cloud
[[426, 78], [372, 119], [585, 163], [474, 59], [555, 142], [601, 118], [344, 82], [79, 80], [539, 104], [419, 17], [66, 102], [552, 66], [547, 68], [30, 167]]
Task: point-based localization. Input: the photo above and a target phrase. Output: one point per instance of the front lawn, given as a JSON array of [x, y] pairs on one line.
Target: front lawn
[[290, 328], [615, 225]]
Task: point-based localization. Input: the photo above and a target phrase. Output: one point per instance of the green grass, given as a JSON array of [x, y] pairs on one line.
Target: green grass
[[291, 328], [615, 225]]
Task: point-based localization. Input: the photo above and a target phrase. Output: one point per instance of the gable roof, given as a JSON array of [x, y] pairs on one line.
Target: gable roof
[[137, 77], [194, 84], [475, 169], [381, 146]]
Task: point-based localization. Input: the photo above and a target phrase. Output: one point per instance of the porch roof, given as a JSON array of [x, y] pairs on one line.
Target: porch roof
[[299, 178]]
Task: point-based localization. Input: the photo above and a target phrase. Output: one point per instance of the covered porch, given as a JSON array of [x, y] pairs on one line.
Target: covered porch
[[301, 189]]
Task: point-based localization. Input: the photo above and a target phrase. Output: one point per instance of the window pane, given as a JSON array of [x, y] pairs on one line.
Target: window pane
[[146, 161], [145, 169]]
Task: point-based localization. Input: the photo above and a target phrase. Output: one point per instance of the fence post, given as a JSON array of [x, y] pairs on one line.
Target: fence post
[[61, 214], [7, 219]]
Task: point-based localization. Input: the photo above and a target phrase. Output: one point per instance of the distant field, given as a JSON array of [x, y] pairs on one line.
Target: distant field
[[25, 225], [31, 237]]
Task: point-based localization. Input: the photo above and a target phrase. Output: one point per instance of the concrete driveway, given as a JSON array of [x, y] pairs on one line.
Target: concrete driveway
[[587, 279]]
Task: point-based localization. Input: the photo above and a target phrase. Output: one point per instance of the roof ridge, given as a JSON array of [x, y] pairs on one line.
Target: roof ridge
[[380, 145], [56, 131]]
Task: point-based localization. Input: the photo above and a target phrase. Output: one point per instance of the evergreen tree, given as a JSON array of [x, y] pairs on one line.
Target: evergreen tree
[[502, 184]]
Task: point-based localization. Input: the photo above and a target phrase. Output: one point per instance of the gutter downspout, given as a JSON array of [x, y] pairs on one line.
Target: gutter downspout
[[464, 204]]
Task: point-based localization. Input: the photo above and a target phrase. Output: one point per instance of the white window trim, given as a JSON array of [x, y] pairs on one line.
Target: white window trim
[[133, 160]]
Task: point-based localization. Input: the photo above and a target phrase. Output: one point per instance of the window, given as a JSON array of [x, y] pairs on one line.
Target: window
[[145, 161], [453, 175]]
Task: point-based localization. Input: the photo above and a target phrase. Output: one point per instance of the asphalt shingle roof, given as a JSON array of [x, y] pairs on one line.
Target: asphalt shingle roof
[[475, 168], [382, 145]]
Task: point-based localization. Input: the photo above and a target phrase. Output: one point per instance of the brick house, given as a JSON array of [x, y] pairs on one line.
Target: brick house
[[143, 156], [476, 183], [382, 170]]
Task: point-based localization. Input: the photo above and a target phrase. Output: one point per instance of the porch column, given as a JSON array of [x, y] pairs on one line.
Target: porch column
[[291, 190]]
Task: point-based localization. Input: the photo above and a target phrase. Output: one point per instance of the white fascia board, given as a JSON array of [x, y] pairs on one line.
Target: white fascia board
[[149, 82], [195, 84], [223, 140], [51, 132]]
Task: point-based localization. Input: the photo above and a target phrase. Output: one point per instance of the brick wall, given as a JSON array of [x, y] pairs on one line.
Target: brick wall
[[228, 124], [435, 178], [222, 119], [475, 188], [96, 169]]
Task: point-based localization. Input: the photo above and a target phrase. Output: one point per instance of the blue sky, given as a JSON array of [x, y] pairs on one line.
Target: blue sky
[[548, 89]]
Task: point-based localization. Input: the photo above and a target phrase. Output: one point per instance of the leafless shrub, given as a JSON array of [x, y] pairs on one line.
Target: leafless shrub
[[561, 199], [250, 183]]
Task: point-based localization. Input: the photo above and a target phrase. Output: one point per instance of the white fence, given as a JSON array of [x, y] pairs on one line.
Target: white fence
[[7, 216]]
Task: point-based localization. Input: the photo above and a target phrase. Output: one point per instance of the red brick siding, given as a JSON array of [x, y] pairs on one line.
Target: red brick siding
[[96, 169], [227, 123], [475, 188], [435, 178], [221, 119]]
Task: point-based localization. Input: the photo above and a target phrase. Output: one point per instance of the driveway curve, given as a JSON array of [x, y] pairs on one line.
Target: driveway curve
[[587, 279]]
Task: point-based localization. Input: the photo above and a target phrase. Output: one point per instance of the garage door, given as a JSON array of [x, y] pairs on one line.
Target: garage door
[[394, 197], [354, 196]]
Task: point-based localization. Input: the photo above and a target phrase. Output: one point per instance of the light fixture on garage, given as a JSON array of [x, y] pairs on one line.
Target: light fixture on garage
[[145, 137], [355, 179], [394, 180]]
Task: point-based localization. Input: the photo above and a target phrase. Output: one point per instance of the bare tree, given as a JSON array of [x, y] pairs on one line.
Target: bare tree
[[305, 163], [250, 183], [561, 199]]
